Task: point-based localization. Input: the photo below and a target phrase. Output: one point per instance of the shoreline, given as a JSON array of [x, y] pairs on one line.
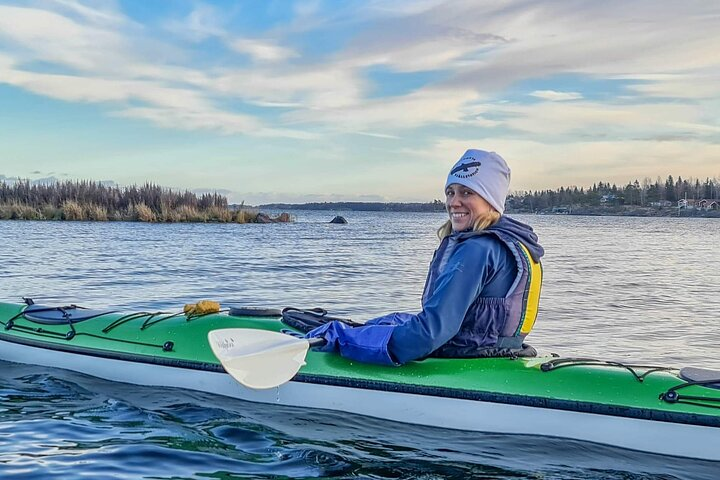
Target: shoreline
[[632, 211], [71, 211], [438, 207], [75, 211]]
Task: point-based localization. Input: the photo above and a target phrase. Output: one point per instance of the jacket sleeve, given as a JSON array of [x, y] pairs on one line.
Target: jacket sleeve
[[444, 310], [399, 338]]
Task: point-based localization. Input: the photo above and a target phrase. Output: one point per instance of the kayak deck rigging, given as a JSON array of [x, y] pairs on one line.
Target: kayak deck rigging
[[575, 362], [591, 386]]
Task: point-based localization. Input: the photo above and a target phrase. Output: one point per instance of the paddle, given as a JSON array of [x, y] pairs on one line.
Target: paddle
[[260, 358]]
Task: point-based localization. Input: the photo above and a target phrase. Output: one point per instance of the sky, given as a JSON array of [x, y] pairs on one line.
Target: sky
[[368, 100]]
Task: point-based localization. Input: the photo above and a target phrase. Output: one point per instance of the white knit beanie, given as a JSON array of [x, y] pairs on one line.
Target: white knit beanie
[[486, 173]]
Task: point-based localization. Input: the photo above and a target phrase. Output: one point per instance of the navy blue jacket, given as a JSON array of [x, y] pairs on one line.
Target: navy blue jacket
[[470, 274]]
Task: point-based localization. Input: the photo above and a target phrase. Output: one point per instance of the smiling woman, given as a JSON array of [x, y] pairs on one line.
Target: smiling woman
[[467, 210], [482, 290], [464, 206]]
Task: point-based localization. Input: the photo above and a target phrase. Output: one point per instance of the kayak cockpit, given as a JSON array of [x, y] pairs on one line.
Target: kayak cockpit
[[701, 376]]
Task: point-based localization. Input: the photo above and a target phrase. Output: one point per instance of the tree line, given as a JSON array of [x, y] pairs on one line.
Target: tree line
[[110, 197], [641, 194], [89, 200]]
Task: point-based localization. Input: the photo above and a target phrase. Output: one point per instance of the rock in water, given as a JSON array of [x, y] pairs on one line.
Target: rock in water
[[338, 219], [263, 218]]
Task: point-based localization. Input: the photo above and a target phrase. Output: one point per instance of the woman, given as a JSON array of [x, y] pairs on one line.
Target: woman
[[483, 287]]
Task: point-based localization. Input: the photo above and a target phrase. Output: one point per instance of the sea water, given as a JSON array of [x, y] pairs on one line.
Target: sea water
[[628, 289]]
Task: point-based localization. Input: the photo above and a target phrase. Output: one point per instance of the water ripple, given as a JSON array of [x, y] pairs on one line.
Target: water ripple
[[624, 288], [128, 431]]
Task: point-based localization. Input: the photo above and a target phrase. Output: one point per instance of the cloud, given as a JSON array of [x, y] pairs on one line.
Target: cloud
[[408, 47], [397, 113], [311, 73], [554, 96], [696, 127], [262, 51], [94, 89], [210, 119], [309, 87], [377, 135], [107, 70], [54, 38], [201, 23], [545, 40], [564, 121], [480, 121], [704, 84], [101, 13], [178, 108], [185, 119], [205, 22], [539, 165]]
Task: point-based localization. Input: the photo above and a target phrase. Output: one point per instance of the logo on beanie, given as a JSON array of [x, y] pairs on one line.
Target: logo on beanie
[[465, 170]]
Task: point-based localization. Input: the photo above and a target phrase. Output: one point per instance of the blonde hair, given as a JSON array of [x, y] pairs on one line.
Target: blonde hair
[[486, 220]]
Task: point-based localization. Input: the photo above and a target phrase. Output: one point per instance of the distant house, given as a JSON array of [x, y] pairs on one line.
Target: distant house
[[609, 198], [708, 204], [662, 203], [686, 203]]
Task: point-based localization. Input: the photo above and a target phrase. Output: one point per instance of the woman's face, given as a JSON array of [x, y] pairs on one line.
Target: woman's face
[[464, 206]]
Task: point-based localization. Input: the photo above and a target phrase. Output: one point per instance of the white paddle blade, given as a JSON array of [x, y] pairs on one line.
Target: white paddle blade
[[258, 358]]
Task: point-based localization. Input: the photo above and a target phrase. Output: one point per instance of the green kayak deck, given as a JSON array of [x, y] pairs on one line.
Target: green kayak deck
[[180, 341]]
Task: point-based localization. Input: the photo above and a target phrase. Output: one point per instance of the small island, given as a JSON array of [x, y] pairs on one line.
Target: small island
[[94, 201]]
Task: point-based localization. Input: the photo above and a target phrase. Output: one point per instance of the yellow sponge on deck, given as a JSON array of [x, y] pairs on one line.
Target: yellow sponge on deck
[[202, 307]]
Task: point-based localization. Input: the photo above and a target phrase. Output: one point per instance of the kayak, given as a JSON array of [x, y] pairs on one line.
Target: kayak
[[641, 407]]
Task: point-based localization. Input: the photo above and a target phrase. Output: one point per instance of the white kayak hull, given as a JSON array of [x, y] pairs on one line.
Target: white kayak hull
[[666, 438]]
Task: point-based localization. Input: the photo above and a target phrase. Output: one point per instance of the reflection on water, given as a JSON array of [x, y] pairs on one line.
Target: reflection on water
[[624, 288], [58, 424]]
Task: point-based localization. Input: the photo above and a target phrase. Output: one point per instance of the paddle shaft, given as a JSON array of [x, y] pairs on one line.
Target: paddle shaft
[[316, 342]]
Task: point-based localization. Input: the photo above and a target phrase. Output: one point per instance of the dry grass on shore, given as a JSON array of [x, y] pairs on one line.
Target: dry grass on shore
[[74, 211], [93, 201]]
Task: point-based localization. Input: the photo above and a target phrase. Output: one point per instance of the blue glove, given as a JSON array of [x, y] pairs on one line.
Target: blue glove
[[368, 343], [329, 333]]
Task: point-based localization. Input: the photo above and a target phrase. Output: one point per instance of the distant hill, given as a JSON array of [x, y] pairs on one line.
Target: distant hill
[[434, 206], [47, 181]]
